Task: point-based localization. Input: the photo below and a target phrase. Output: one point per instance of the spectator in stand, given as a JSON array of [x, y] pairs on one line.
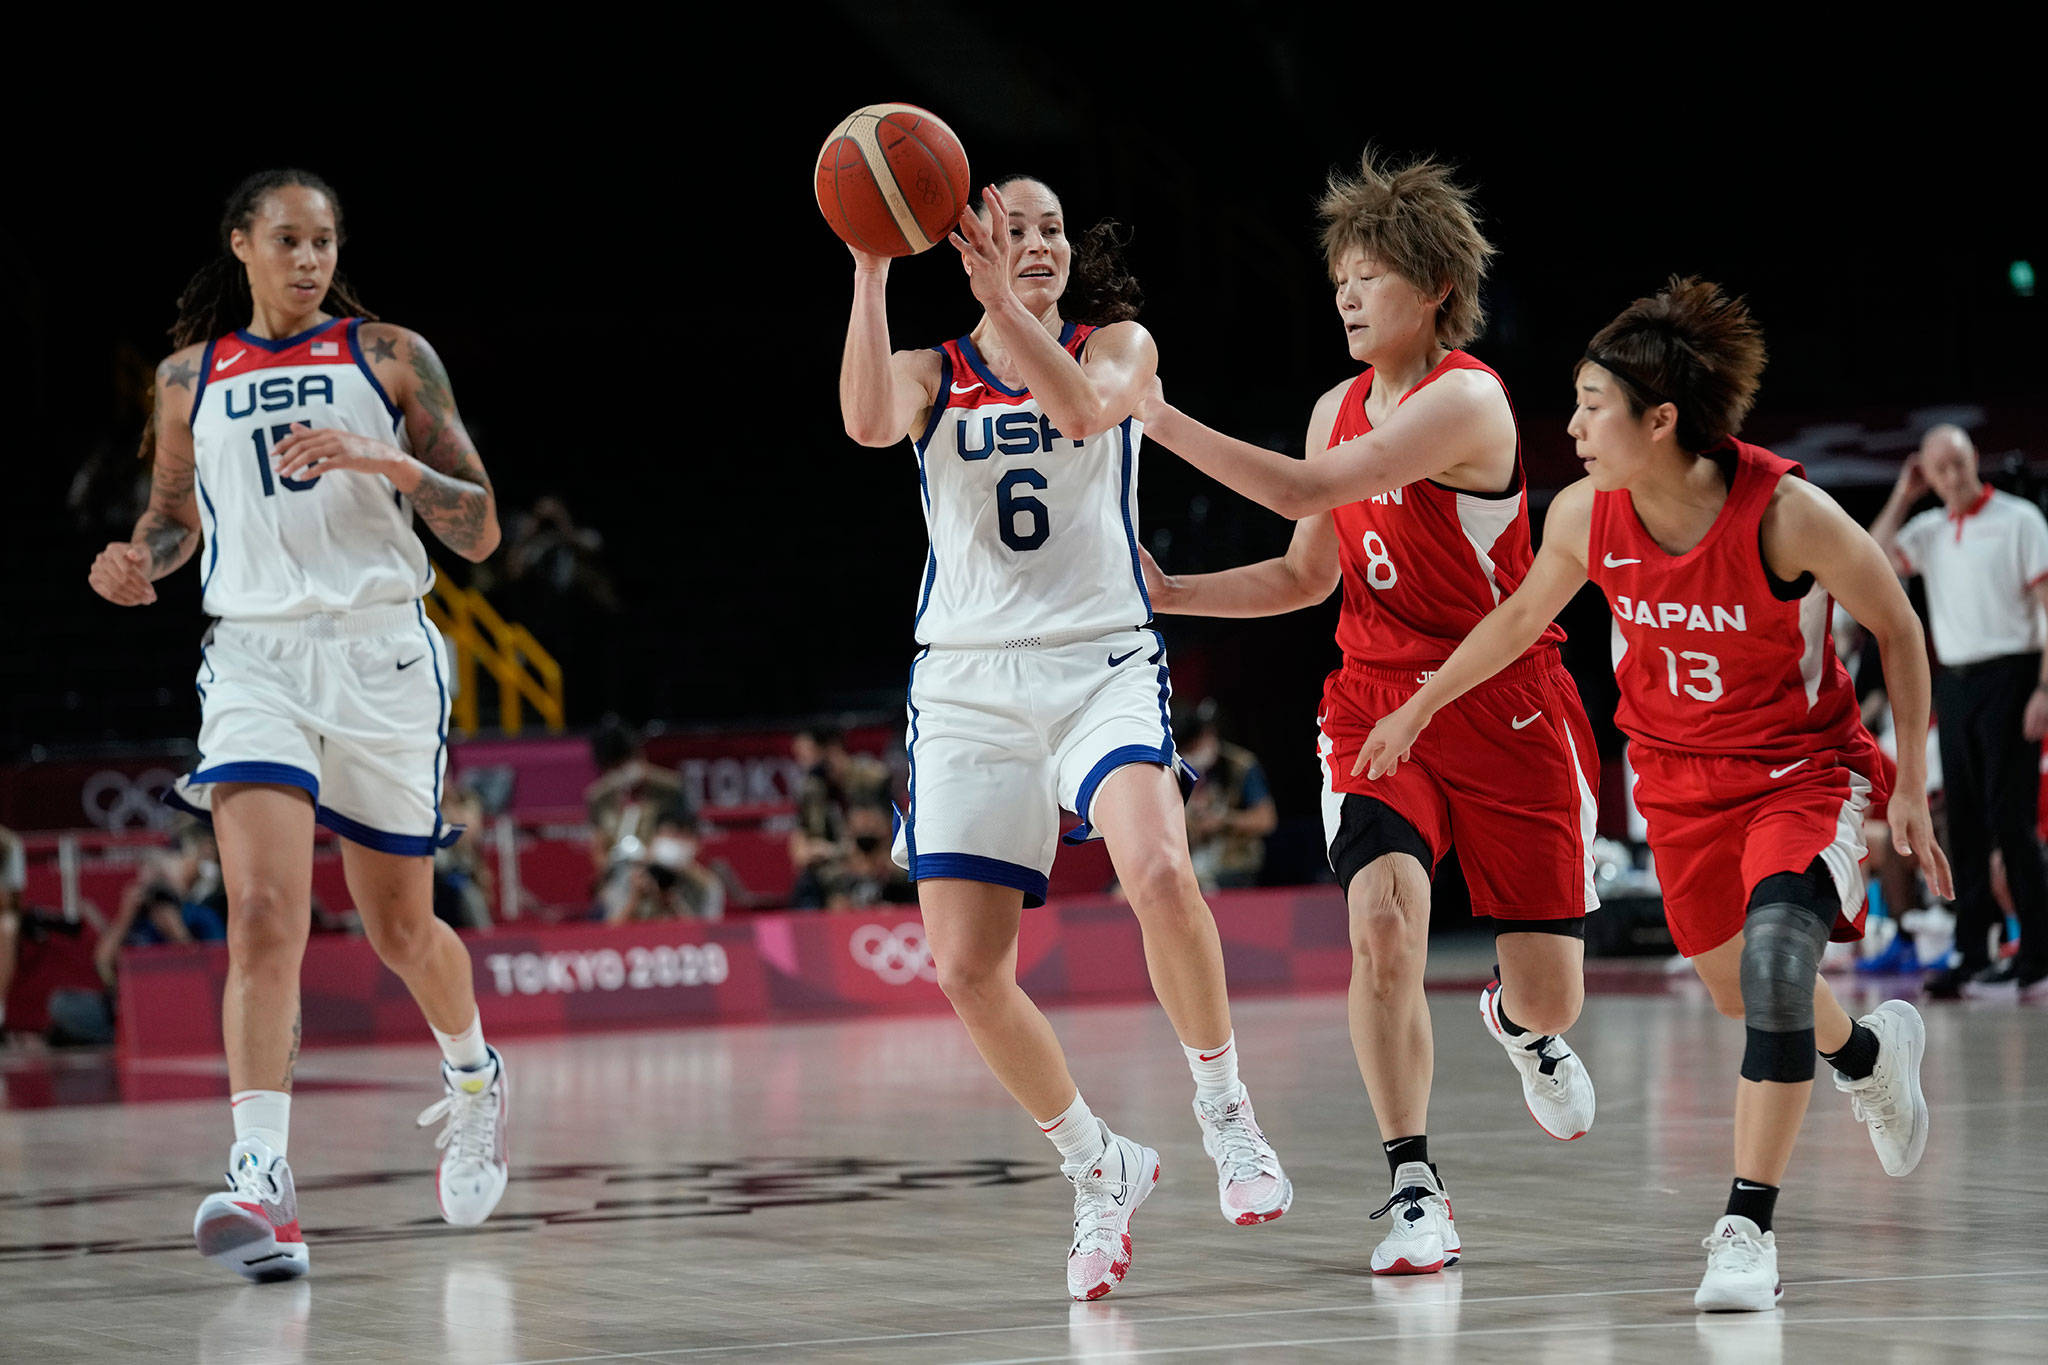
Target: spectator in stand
[[834, 782], [13, 878], [462, 875], [555, 583], [1231, 810], [867, 874], [176, 897], [1983, 555], [627, 796], [665, 881]]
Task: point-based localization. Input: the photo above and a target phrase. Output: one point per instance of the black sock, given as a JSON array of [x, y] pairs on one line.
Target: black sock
[[1405, 1149], [1500, 1010], [1747, 1199], [1856, 1058]]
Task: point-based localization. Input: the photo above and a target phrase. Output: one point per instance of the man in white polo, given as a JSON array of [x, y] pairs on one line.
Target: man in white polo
[[1983, 556]]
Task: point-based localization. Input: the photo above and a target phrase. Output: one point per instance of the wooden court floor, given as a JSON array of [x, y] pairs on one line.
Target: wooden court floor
[[864, 1192]]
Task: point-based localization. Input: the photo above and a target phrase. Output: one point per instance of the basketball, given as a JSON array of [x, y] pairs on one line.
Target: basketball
[[892, 179]]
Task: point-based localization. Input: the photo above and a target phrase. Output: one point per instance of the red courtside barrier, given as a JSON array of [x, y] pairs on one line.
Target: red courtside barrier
[[575, 978]]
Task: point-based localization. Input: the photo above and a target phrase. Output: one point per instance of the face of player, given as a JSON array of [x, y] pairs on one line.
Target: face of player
[[1614, 446], [1384, 315], [1040, 253], [290, 249], [1951, 470]]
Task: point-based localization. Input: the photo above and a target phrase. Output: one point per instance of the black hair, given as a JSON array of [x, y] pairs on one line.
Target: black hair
[[1100, 288], [613, 743], [216, 300]]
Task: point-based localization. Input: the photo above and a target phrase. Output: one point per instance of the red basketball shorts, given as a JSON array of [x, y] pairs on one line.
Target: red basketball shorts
[[1504, 773], [1719, 825]]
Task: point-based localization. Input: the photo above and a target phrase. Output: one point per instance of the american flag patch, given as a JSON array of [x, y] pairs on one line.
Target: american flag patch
[[326, 348]]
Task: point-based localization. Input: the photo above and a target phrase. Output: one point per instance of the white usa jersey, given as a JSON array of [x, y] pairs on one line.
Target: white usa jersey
[[278, 547], [1033, 533]]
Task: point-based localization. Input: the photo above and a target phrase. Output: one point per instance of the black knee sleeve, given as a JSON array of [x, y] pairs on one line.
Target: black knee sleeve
[[1786, 930]]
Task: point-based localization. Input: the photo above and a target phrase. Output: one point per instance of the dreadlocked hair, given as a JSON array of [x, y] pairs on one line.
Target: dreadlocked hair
[[216, 300], [1689, 345], [1100, 288]]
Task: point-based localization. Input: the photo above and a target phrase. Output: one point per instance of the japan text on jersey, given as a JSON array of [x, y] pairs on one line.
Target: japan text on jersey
[[281, 547], [1033, 532]]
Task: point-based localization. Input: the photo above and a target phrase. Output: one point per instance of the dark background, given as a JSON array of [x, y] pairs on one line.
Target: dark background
[[611, 240]]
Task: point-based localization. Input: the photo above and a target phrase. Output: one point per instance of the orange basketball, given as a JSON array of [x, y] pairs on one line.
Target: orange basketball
[[892, 179]]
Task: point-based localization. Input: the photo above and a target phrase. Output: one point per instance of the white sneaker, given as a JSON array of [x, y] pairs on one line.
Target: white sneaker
[[253, 1228], [473, 1170], [1742, 1269], [1889, 1098], [1107, 1192], [1423, 1239], [1250, 1186], [1555, 1084]]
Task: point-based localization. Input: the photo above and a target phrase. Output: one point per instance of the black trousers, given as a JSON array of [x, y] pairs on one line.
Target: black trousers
[[1991, 779]]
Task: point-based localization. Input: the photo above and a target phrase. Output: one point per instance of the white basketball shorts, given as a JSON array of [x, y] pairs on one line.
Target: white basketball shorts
[[1001, 739], [351, 708]]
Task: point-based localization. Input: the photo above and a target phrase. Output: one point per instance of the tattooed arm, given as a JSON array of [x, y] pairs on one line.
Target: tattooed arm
[[168, 530], [443, 477]]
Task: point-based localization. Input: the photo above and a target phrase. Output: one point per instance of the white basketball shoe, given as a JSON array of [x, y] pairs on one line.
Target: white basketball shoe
[[1888, 1100], [1742, 1269], [253, 1228], [1107, 1191], [1423, 1239], [1555, 1084], [474, 1168], [1250, 1186]]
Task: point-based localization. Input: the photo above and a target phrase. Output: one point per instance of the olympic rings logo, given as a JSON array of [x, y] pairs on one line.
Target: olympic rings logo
[[899, 956], [114, 800]]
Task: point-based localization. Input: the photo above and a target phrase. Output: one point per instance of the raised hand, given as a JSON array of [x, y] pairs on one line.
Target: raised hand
[[984, 248], [867, 262], [120, 573], [1912, 479]]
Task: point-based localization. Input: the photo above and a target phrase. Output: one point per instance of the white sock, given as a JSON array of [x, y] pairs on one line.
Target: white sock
[[1215, 1070], [1076, 1132], [465, 1051], [262, 1114]]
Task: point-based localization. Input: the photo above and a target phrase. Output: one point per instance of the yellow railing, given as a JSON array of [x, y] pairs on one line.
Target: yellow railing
[[524, 672]]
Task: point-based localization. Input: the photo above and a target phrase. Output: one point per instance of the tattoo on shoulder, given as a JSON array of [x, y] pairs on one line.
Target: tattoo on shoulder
[[177, 374], [384, 348]]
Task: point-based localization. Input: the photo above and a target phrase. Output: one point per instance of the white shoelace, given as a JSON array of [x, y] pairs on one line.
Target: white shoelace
[[472, 1127], [1876, 1102], [1244, 1152], [1744, 1251], [1095, 1204]]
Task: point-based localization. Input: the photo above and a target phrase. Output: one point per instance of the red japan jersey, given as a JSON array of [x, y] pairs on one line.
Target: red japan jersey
[[1423, 564], [1714, 653]]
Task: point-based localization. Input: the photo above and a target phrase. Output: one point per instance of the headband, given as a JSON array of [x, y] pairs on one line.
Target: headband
[[1619, 373]]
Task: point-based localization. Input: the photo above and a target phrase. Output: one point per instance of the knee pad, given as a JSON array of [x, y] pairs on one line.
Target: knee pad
[[1782, 944]]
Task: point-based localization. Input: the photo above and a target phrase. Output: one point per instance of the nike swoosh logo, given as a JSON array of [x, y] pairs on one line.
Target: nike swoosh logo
[[1611, 562], [1123, 1189], [1116, 659], [1780, 772], [1518, 724], [1211, 1056], [413, 660], [970, 388], [1745, 1185], [220, 365]]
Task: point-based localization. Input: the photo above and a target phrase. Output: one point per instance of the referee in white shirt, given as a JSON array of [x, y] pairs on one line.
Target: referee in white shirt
[[1983, 556]]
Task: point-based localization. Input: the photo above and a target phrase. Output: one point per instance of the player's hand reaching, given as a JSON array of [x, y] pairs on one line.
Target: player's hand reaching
[[309, 452], [120, 573], [1386, 748], [867, 262], [1913, 832], [984, 247]]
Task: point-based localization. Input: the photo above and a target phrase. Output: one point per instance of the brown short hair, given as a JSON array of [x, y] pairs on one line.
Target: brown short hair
[[1689, 345], [1418, 222]]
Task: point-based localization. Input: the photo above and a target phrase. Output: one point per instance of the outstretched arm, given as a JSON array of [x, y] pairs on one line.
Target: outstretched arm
[[1500, 639], [1302, 577], [882, 396], [168, 529], [445, 478], [1459, 423], [1806, 531]]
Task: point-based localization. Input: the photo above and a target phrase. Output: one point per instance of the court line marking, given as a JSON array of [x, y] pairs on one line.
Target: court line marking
[[1255, 1313], [1582, 1328]]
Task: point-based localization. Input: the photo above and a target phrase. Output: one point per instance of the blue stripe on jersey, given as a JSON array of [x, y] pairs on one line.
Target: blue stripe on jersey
[[441, 726], [924, 487], [910, 750], [285, 344], [383, 840], [1130, 523], [213, 537], [973, 867], [205, 369], [980, 367], [355, 348], [263, 771]]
